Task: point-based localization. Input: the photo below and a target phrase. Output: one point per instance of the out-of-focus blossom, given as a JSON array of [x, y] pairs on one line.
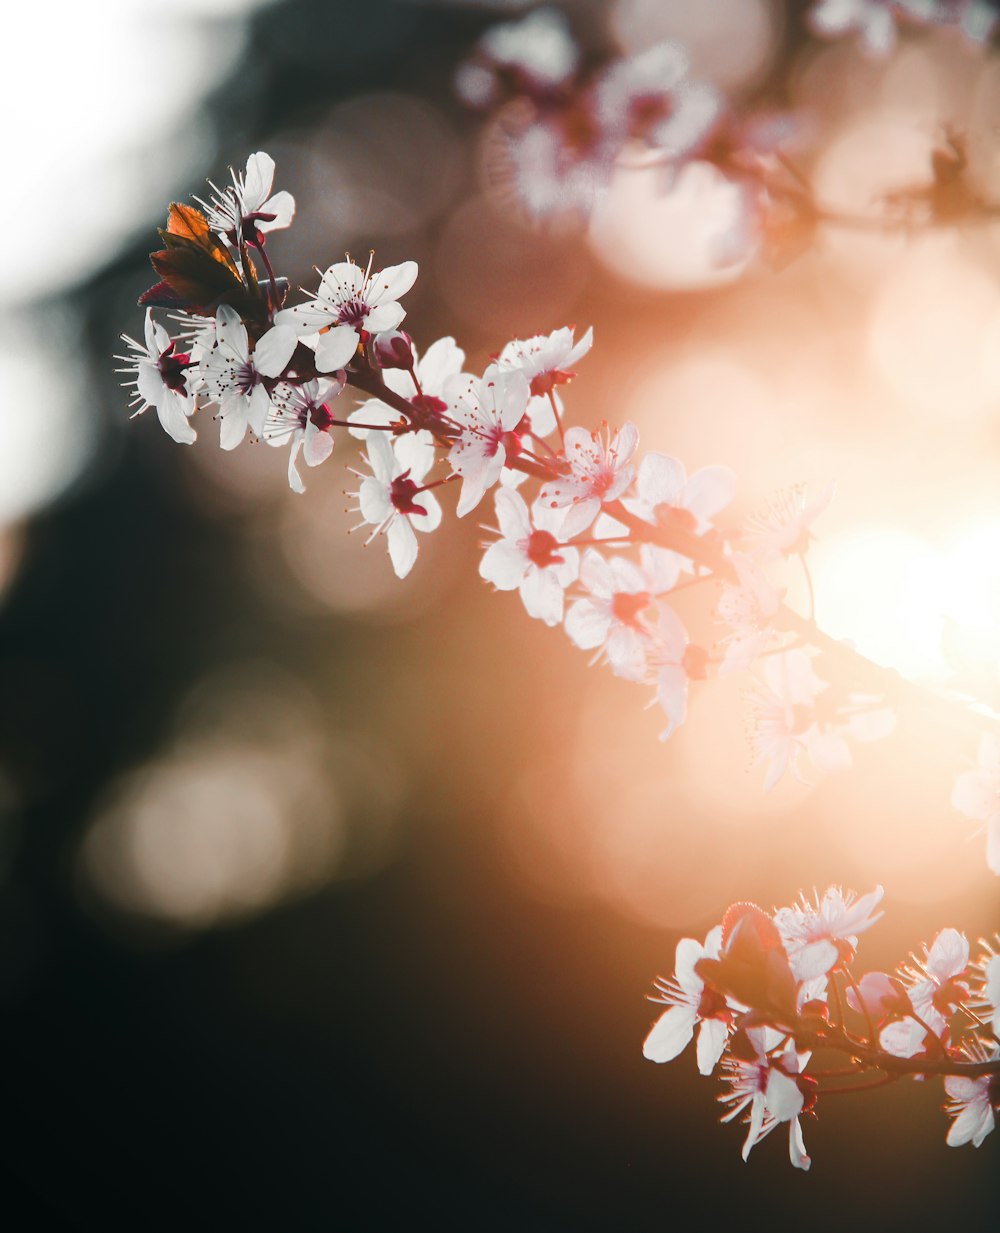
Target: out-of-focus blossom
[[873, 20], [690, 1003], [350, 302], [160, 375], [537, 52], [677, 662], [783, 528], [747, 608], [977, 795], [667, 496], [529, 558]]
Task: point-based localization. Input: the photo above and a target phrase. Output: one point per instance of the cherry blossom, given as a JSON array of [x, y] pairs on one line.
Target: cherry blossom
[[350, 302], [817, 938], [422, 383], [392, 500], [747, 608], [977, 795], [487, 409], [600, 471], [529, 558], [248, 207], [783, 528], [770, 1088], [873, 20], [300, 415], [538, 49], [677, 661], [232, 373], [613, 617], [665, 495], [547, 359], [160, 374], [973, 1102], [690, 1003]]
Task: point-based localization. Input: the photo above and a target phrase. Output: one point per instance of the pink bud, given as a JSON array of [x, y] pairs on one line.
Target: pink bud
[[394, 349]]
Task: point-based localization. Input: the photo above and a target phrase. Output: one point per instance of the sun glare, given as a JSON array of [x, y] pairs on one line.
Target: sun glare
[[930, 610]]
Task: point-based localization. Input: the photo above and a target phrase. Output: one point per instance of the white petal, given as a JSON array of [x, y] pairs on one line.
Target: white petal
[[392, 282], [258, 180], [384, 317], [402, 546], [282, 206], [336, 348], [670, 1034], [712, 1039], [503, 564], [707, 492], [512, 515], [661, 479], [274, 350], [542, 595], [172, 415], [586, 625]]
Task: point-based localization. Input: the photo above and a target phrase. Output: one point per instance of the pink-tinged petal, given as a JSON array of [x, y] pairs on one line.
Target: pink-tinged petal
[[661, 479], [373, 501], [627, 576], [384, 317], [171, 414], [973, 1124], [670, 1034], [230, 331], [712, 1038], [672, 634], [586, 625], [620, 484], [414, 453], [671, 694], [371, 412], [294, 479], [442, 359], [661, 567], [707, 492], [625, 442], [783, 1096], [317, 447], [948, 955], [392, 282], [543, 418], [336, 348], [797, 1146], [815, 959], [542, 596], [596, 574], [512, 515], [402, 546], [582, 347], [477, 481], [259, 404], [579, 517], [689, 952], [902, 1039], [431, 519], [274, 350], [258, 179], [626, 651], [503, 564], [827, 749], [341, 282], [512, 397], [282, 206], [233, 414]]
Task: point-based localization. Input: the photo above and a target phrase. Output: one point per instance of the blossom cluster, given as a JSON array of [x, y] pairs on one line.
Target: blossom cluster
[[597, 538], [781, 1016], [563, 121]]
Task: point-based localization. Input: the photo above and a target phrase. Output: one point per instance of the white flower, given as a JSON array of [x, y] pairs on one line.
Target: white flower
[[814, 936], [783, 528], [667, 497], [613, 616], [233, 375], [161, 376], [486, 409], [873, 19], [684, 995], [299, 415], [392, 500], [650, 97], [423, 388], [248, 205], [973, 1102], [770, 1089], [350, 301], [599, 471], [546, 359], [747, 608], [530, 558], [977, 795]]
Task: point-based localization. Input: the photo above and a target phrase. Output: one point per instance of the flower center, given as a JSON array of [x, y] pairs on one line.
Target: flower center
[[625, 606], [402, 490], [353, 312], [541, 549]]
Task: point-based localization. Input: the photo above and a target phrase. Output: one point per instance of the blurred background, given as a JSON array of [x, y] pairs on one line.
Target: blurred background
[[333, 901]]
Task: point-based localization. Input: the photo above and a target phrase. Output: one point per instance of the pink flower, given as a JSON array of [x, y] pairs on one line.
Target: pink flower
[[546, 360], [529, 558], [772, 1089], [783, 528], [935, 987], [299, 415], [666, 495], [690, 1003], [599, 472]]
